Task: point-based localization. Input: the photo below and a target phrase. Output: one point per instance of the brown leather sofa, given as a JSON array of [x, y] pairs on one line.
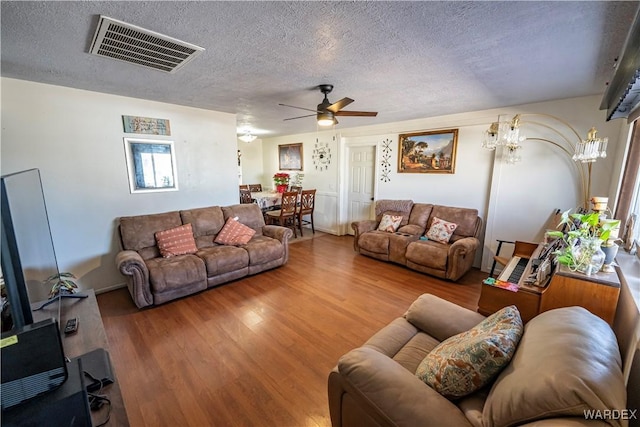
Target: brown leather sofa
[[153, 280], [567, 362], [445, 260]]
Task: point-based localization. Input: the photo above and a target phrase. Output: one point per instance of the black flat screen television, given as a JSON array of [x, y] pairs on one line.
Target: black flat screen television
[[28, 257]]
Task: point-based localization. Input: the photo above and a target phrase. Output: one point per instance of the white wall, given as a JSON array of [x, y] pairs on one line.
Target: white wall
[[75, 138], [515, 201], [251, 163], [325, 181]]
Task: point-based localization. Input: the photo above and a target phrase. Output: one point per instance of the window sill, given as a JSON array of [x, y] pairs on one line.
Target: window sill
[[630, 268]]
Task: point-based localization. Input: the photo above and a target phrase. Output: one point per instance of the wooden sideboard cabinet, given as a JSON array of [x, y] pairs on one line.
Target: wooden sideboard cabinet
[[597, 293]]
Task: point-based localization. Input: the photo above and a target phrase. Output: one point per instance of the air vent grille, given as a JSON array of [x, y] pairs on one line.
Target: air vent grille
[[129, 43]]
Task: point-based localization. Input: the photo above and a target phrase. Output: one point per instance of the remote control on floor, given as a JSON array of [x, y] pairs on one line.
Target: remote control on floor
[[71, 326]]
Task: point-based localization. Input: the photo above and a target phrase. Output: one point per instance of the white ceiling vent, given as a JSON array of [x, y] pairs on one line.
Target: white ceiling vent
[[125, 42]]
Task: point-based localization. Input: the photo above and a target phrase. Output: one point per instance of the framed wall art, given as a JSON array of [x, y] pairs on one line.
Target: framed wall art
[[151, 165], [290, 157], [428, 152], [146, 125]]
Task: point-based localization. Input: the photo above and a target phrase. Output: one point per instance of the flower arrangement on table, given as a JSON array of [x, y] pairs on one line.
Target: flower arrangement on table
[[281, 180]]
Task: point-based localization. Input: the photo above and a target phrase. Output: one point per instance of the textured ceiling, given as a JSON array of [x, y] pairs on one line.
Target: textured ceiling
[[406, 60]]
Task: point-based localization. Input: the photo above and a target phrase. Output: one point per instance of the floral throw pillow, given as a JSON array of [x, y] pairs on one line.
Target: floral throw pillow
[[466, 362], [390, 223], [234, 233], [441, 230], [176, 241]]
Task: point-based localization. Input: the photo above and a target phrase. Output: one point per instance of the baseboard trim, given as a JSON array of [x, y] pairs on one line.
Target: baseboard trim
[[110, 288]]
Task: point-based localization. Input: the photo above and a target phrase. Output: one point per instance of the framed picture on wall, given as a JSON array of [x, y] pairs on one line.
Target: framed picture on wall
[[428, 152], [290, 157], [151, 165]]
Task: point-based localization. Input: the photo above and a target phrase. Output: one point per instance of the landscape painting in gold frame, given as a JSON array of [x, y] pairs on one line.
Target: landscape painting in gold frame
[[428, 152]]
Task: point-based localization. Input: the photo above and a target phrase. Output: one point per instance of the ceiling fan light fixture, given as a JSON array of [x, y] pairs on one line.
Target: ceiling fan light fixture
[[325, 118]]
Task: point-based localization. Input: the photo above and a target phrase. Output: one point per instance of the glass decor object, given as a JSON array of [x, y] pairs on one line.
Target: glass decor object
[[610, 253], [588, 256], [592, 148]]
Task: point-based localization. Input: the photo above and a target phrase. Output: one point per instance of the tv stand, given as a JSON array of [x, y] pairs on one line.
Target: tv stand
[[90, 336], [52, 300]]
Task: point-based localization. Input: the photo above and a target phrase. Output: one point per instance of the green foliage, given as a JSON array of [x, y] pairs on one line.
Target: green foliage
[[581, 228], [61, 283]]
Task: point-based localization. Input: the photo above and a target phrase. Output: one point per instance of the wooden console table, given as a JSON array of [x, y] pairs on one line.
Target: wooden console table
[[90, 336], [597, 293]]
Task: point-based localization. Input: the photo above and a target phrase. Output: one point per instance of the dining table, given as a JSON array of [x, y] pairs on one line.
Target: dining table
[[267, 200]]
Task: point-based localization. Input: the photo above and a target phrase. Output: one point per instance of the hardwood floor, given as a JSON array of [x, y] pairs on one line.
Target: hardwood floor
[[257, 352]]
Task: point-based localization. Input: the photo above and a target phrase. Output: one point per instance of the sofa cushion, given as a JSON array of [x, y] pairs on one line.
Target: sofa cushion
[[412, 229], [247, 213], [139, 232], [466, 362], [404, 218], [167, 274], [205, 222], [176, 241], [441, 230], [234, 233], [398, 207], [263, 249], [567, 362], [220, 259], [420, 213], [429, 254], [375, 241], [389, 223], [467, 219]]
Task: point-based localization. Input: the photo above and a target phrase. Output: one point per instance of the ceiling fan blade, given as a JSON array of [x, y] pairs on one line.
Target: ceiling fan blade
[[299, 108], [337, 106], [357, 113], [299, 117]]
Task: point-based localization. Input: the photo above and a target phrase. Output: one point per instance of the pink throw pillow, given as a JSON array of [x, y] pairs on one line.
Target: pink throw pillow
[[234, 233], [176, 241]]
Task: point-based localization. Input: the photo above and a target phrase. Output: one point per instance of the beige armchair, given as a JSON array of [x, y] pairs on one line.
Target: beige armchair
[[567, 362]]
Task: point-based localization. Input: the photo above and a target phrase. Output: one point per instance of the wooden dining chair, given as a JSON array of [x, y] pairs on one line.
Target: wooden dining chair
[[255, 188], [296, 188], [245, 196], [306, 207], [286, 215], [244, 187]]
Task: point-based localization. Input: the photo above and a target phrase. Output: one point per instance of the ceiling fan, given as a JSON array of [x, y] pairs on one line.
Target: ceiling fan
[[326, 112]]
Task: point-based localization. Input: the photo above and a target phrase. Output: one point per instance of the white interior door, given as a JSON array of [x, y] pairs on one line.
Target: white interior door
[[361, 183]]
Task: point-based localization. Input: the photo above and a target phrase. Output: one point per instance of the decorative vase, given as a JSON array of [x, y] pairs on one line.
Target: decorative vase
[[610, 253], [281, 188], [588, 256]]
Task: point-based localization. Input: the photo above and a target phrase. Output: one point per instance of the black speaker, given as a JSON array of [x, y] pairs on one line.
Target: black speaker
[[32, 362]]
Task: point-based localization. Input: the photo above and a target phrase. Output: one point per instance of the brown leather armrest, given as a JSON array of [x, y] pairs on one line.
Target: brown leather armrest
[[131, 264], [385, 390]]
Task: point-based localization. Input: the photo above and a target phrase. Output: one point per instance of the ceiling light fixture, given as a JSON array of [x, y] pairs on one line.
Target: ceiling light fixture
[[247, 137], [325, 118], [507, 134]]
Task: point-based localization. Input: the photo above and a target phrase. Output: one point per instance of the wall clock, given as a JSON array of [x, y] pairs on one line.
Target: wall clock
[[321, 155]]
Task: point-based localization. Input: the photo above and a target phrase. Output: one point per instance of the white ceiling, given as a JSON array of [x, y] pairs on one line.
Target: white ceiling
[[406, 60]]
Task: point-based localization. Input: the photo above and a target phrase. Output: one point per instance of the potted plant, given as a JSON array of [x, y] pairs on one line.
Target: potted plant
[[281, 180], [61, 283], [583, 238]]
